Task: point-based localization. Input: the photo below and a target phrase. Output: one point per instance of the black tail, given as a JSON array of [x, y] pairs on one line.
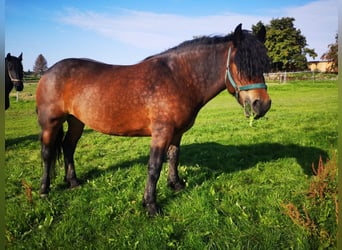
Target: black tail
[[58, 150]]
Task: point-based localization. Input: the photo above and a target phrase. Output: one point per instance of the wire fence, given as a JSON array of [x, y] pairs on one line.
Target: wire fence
[[280, 77], [283, 77]]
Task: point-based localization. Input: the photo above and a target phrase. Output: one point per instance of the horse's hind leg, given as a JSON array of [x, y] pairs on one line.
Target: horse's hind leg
[[75, 129], [173, 179], [51, 139]]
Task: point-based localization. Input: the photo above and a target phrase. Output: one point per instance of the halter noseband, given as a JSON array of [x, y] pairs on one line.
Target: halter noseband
[[13, 79], [240, 88]]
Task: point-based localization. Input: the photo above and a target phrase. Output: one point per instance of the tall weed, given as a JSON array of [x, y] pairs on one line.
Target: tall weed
[[318, 215]]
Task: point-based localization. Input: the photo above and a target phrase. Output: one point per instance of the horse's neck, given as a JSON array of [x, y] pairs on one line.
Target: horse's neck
[[208, 72], [6, 68], [8, 82]]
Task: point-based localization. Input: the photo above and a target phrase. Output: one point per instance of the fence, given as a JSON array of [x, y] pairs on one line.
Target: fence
[[283, 77]]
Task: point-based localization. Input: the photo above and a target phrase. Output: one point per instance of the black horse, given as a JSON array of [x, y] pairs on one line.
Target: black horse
[[13, 75]]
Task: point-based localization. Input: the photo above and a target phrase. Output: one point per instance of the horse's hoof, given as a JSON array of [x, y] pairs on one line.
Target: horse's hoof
[[43, 195], [176, 185], [74, 185], [152, 209], [44, 191]]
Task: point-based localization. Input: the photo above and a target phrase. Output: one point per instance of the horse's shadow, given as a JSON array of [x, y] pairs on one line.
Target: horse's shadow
[[214, 158], [23, 141], [231, 158], [26, 140]]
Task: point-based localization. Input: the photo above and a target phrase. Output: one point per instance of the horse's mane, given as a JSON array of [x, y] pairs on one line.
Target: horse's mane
[[202, 40], [251, 58], [191, 44]]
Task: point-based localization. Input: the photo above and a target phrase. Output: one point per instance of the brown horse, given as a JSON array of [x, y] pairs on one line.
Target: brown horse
[[158, 97]]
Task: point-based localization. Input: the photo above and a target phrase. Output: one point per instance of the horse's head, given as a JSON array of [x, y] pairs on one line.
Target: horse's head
[[247, 61], [14, 69]]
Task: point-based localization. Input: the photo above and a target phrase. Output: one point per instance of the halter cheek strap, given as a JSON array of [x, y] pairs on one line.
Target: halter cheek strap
[[235, 86]]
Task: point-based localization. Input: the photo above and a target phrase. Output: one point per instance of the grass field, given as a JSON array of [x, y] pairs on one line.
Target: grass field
[[238, 179]]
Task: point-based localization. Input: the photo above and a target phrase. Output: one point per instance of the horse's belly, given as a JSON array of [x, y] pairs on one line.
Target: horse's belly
[[122, 129], [117, 123]]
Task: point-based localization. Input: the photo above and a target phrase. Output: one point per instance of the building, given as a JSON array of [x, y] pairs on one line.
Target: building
[[320, 66]]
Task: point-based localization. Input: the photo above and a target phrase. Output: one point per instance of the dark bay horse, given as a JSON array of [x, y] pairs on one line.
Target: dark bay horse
[[13, 75], [158, 97]]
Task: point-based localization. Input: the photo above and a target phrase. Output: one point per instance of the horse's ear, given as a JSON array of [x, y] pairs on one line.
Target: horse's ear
[[20, 57], [261, 35], [8, 56], [238, 35]]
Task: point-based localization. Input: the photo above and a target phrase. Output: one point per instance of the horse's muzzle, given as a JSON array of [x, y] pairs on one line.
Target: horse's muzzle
[[258, 108], [19, 86]]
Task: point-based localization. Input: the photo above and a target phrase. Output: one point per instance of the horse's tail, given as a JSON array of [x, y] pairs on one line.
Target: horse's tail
[[58, 150], [55, 151]]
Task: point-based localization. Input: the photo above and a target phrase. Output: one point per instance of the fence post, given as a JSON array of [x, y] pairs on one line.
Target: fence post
[[313, 76]]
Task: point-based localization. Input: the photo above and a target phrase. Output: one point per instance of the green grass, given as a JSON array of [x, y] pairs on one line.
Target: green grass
[[237, 179]]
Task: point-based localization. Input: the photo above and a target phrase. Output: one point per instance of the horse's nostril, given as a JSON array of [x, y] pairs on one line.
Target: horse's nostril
[[256, 106]]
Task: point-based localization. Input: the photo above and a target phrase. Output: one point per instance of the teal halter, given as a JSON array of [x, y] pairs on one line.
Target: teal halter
[[240, 88]]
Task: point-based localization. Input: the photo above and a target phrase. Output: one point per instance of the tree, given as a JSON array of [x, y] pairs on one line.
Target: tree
[[40, 65], [285, 44], [331, 55]]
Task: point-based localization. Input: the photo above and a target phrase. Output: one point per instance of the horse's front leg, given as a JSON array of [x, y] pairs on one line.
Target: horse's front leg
[[173, 179], [7, 102], [161, 138], [154, 167]]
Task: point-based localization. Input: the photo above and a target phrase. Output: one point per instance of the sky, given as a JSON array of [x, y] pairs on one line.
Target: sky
[[127, 31]]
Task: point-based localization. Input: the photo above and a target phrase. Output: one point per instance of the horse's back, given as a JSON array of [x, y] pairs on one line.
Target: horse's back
[[97, 94], [73, 67], [121, 100], [70, 74]]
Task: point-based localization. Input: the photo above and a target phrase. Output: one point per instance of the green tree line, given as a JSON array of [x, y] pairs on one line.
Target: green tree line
[[287, 47]]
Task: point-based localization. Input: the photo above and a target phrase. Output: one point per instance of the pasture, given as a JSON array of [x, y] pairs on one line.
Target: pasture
[[238, 178]]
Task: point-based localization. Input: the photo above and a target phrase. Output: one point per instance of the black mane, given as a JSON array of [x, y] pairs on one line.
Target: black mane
[[251, 58], [203, 40]]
